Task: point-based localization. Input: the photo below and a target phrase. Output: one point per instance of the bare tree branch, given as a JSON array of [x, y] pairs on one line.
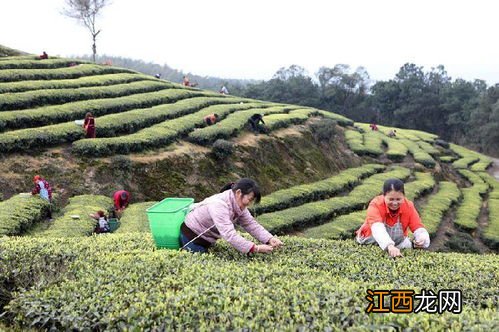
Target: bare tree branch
[[85, 12]]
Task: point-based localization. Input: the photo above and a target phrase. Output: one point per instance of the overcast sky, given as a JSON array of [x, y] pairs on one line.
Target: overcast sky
[[254, 38]]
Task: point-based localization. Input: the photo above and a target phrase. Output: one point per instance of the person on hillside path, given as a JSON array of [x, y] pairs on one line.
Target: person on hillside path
[[373, 126], [389, 216], [392, 133], [223, 90], [211, 119], [121, 200], [89, 125], [215, 217], [186, 82], [102, 222], [42, 188], [44, 56], [255, 121]]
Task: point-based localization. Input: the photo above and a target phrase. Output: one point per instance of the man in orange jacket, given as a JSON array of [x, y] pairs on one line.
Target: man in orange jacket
[[389, 216]]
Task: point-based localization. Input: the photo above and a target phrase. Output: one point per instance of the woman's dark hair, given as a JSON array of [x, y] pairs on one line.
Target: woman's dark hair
[[89, 114], [393, 184], [246, 186]]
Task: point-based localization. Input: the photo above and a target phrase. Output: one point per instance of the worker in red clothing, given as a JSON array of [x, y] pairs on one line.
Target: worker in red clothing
[[121, 199], [211, 119], [389, 217], [89, 125]]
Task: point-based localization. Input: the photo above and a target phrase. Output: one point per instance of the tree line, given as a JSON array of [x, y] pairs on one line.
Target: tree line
[[460, 111]]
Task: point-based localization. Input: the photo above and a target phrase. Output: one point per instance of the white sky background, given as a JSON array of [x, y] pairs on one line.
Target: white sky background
[[252, 39]]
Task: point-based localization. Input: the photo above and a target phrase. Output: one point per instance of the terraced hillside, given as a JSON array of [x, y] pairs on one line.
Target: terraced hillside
[[318, 171]]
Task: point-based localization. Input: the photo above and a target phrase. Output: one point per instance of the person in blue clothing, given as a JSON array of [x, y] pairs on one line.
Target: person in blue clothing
[[42, 188]]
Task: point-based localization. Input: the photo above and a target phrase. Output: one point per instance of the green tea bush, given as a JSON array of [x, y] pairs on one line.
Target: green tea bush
[[222, 149], [39, 64], [396, 149], [107, 125], [469, 210], [160, 134], [86, 81], [76, 220], [20, 212], [438, 204], [77, 110], [134, 218], [38, 98], [418, 153], [15, 75], [304, 193], [119, 282], [232, 125]]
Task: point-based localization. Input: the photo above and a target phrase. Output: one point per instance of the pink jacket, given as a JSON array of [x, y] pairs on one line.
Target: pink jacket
[[222, 211]]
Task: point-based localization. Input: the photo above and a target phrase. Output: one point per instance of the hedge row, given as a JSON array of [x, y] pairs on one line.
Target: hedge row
[[318, 190], [438, 204], [77, 110], [86, 81], [428, 148], [418, 153], [344, 226], [476, 180], [396, 149], [355, 141], [491, 232], [39, 64], [492, 182], [119, 282], [309, 214], [39, 98], [15, 75], [342, 121], [155, 136], [468, 157], [107, 125], [469, 209], [276, 121], [76, 220], [134, 218], [233, 124], [373, 142], [20, 212]]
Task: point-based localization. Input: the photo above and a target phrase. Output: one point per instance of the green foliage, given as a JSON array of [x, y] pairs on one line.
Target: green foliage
[[304, 193], [355, 141], [468, 157], [467, 213], [491, 232], [232, 125], [86, 81], [20, 212], [38, 64], [38, 98], [396, 149], [134, 218], [76, 220], [77, 110], [419, 154], [15, 75], [476, 180], [222, 149], [438, 204], [318, 212], [107, 125], [158, 135], [120, 282]]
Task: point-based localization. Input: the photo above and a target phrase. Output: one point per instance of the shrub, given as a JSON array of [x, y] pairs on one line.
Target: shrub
[[222, 149]]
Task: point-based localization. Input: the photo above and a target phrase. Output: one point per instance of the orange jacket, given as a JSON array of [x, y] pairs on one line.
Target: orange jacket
[[379, 212]]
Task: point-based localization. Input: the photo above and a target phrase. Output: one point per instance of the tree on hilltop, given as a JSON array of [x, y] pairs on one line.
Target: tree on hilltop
[[85, 12]]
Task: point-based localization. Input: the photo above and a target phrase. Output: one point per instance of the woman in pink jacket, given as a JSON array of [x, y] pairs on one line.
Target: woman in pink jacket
[[214, 218]]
